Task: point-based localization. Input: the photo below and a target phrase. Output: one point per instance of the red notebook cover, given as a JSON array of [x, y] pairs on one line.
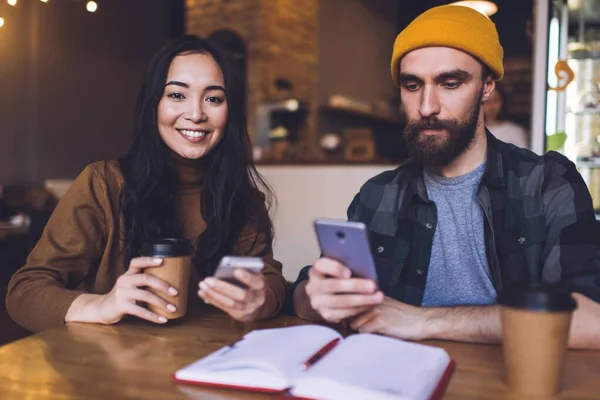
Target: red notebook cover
[[437, 394]]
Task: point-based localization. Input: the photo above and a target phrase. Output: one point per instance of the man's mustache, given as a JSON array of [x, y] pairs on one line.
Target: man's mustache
[[431, 123]]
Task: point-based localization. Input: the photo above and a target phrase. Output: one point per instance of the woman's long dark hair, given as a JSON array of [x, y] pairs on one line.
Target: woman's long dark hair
[[230, 194]]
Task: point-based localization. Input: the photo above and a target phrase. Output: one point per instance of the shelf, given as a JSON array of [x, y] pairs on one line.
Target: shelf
[[367, 115], [584, 58], [582, 113], [591, 164]]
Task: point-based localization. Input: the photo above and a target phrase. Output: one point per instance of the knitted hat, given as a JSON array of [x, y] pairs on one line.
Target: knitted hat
[[453, 26]]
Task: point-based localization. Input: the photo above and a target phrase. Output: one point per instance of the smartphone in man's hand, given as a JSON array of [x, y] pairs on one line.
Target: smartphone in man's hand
[[348, 244]]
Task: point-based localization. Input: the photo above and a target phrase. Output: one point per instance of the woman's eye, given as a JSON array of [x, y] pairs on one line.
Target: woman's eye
[[214, 99], [177, 96]]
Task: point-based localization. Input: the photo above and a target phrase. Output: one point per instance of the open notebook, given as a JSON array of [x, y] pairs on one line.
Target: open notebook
[[362, 366]]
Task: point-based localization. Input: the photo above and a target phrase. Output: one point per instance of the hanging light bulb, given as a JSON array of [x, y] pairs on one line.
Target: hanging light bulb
[[91, 6], [483, 6], [1, 21], [12, 2], [44, 1]]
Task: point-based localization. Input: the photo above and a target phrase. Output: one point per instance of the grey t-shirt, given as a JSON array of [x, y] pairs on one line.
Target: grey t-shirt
[[458, 269]]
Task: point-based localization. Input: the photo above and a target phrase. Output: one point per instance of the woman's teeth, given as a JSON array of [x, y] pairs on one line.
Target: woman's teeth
[[192, 134]]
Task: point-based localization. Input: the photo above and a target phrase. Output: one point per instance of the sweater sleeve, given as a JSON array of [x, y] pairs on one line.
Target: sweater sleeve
[[255, 240], [71, 246]]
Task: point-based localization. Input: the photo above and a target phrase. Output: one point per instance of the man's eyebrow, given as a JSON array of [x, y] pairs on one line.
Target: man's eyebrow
[[455, 74], [404, 77]]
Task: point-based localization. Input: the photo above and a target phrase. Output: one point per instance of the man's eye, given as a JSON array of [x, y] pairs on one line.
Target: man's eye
[[452, 85], [411, 87]]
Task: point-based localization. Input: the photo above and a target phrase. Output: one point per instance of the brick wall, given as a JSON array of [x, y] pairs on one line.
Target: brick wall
[[281, 38]]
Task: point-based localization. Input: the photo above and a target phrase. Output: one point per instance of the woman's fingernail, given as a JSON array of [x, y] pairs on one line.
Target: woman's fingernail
[[210, 282], [162, 319], [157, 260], [347, 273], [171, 307], [203, 285], [173, 291]]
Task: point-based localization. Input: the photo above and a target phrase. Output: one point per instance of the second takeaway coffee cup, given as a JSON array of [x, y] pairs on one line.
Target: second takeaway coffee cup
[[175, 270], [535, 331]]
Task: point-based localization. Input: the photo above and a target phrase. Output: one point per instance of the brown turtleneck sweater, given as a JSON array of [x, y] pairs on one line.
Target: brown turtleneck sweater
[[81, 249]]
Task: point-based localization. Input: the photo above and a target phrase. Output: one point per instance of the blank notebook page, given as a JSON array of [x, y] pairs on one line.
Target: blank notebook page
[[389, 366], [278, 351]]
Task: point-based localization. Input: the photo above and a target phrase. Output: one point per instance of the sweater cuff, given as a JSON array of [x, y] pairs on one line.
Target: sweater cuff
[[53, 308], [277, 285]]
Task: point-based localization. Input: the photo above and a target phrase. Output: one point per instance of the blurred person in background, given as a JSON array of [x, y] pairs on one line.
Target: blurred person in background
[[495, 113]]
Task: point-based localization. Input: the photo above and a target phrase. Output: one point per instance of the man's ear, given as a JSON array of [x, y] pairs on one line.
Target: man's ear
[[488, 87]]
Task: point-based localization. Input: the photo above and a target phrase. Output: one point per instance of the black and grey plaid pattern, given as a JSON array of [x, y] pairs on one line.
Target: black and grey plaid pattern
[[539, 224]]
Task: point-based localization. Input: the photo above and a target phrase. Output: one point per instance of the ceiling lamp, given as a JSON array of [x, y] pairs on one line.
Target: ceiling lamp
[[12, 2], [1, 21], [91, 6], [485, 7]]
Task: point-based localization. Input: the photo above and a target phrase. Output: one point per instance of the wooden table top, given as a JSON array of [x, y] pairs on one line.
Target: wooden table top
[[135, 360]]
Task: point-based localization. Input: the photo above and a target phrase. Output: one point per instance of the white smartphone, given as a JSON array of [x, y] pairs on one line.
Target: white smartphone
[[348, 243], [229, 263]]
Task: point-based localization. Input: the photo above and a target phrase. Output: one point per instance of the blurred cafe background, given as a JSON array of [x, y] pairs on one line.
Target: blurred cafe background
[[323, 113]]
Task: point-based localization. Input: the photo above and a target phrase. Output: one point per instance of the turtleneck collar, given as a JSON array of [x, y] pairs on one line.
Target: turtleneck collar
[[189, 171]]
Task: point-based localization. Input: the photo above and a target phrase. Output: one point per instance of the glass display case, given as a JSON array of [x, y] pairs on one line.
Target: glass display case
[[572, 103]]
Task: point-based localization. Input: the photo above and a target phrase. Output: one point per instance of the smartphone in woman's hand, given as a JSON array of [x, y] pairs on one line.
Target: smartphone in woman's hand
[[229, 263]]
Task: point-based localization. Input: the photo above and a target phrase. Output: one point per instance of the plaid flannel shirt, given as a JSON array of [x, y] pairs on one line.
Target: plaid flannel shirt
[[539, 224]]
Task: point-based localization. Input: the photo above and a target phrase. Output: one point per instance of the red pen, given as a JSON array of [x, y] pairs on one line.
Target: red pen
[[317, 356]]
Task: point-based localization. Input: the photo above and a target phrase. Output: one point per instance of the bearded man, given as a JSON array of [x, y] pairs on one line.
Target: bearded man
[[468, 215]]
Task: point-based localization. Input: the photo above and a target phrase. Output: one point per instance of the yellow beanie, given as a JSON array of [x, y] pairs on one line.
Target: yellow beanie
[[453, 26]]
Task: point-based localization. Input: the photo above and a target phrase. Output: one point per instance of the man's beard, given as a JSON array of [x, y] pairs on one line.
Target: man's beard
[[440, 150]]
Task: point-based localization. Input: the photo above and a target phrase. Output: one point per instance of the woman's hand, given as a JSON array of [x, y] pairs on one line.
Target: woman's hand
[[243, 304], [123, 298]]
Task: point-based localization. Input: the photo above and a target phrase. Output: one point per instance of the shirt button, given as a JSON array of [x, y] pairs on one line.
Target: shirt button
[[420, 271], [429, 225], [521, 240], [380, 249]]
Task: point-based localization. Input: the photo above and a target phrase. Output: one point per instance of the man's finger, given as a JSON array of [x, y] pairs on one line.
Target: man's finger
[[343, 301], [337, 315], [352, 285], [327, 266]]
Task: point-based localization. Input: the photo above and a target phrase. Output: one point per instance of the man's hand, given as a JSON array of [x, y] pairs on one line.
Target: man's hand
[[393, 318], [335, 295]]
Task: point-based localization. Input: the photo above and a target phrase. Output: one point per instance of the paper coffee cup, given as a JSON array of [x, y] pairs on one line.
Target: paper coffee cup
[[175, 270], [535, 332]]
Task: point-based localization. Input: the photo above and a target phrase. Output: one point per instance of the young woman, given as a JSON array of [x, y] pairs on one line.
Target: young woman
[[494, 111], [188, 173]]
